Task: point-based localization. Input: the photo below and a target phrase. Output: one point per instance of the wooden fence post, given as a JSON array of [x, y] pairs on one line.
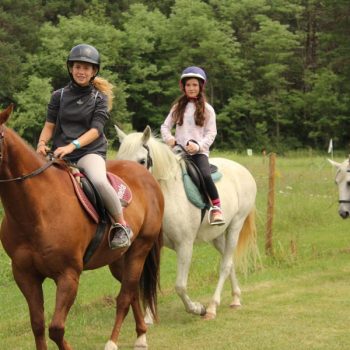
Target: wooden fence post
[[270, 205]]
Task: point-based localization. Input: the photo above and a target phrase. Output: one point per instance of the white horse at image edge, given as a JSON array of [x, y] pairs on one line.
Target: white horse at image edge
[[342, 180], [182, 223]]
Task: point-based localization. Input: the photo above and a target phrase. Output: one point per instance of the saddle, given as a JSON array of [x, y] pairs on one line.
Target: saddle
[[91, 201], [194, 184], [89, 196]]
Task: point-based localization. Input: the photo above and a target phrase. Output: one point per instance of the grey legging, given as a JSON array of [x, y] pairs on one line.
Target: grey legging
[[95, 168]]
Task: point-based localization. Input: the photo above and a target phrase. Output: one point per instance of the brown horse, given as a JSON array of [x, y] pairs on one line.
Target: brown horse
[[45, 232]]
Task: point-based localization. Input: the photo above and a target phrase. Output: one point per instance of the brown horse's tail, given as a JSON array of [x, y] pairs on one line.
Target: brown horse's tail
[[247, 254], [149, 282]]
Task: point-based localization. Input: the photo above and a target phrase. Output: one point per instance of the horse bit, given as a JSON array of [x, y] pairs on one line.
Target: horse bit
[[26, 176]]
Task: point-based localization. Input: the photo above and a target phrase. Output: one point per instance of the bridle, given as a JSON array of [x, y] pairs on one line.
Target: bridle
[[26, 176], [149, 162]]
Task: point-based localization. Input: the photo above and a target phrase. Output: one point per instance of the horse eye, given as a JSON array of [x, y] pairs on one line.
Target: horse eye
[[142, 161]]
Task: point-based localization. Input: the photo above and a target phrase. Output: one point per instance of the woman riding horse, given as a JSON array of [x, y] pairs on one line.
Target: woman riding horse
[[46, 232]]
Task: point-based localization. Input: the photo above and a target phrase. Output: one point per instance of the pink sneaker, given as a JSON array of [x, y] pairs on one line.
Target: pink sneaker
[[215, 216]]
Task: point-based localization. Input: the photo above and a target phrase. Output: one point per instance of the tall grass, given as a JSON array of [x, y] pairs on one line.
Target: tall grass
[[298, 299]]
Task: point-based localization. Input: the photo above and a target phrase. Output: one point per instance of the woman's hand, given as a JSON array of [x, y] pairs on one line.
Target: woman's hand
[[60, 152], [42, 149]]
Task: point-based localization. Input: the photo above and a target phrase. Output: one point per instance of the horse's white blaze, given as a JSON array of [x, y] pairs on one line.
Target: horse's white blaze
[[182, 226]]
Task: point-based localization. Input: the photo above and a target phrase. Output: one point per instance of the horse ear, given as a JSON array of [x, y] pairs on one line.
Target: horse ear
[[120, 133], [4, 115], [146, 134], [335, 164]]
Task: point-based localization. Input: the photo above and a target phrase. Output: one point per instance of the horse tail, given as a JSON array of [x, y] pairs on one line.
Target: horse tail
[[247, 253], [149, 281], [105, 87]]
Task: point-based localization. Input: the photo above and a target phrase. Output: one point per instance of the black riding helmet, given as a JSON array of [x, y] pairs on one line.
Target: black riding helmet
[[84, 53]]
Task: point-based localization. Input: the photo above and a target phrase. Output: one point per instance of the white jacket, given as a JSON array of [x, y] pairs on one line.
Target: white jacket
[[203, 135]]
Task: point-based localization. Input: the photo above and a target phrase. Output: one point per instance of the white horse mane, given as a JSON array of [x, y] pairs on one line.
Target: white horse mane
[[164, 160]]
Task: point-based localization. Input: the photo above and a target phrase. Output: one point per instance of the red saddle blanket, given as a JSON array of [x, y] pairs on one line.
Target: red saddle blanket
[[122, 189]]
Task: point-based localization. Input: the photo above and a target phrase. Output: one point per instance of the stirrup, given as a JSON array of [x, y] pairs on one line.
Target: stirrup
[[121, 229], [217, 222]]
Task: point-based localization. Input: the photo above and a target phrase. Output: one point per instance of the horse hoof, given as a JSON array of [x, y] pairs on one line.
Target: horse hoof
[[203, 311], [148, 320], [141, 343], [235, 306], [110, 345], [209, 316]]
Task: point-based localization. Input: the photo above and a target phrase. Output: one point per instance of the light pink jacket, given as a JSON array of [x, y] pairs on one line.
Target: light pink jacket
[[204, 135]]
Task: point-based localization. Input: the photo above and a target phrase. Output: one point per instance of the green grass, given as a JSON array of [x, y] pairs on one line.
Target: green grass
[[297, 299]]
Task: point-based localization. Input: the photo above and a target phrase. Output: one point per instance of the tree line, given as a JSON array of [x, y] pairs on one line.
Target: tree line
[[278, 70]]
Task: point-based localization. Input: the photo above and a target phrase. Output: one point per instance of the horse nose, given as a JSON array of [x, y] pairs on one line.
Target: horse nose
[[344, 214]]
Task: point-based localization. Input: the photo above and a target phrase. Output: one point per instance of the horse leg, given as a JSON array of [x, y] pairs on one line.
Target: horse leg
[[141, 327], [184, 257], [31, 287], [66, 291], [226, 268], [219, 244], [132, 268]]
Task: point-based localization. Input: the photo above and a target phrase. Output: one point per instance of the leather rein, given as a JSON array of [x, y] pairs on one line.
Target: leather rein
[[26, 176]]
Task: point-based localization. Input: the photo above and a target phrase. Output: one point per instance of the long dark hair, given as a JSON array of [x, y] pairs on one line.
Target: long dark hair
[[179, 105]]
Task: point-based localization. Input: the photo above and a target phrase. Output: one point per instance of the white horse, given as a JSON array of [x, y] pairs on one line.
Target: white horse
[[342, 179], [182, 223]]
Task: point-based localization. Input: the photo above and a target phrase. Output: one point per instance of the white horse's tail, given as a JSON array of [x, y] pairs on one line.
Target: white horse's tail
[[247, 256]]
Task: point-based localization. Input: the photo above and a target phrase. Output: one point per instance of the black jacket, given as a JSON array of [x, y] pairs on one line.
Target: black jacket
[[75, 110]]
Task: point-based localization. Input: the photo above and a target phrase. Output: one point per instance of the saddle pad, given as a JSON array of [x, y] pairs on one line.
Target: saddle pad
[[122, 190], [84, 199]]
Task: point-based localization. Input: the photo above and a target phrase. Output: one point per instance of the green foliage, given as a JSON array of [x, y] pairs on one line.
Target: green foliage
[[143, 30], [30, 113], [278, 69], [325, 106]]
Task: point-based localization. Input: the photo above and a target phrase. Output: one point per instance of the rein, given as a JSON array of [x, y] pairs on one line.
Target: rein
[[26, 176], [32, 174]]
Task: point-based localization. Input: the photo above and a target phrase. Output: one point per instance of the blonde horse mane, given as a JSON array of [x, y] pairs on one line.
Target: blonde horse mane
[[106, 88]]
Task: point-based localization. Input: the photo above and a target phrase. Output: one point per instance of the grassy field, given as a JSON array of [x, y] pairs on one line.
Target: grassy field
[[297, 299]]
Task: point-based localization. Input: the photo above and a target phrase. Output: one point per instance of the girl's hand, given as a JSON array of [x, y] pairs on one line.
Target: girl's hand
[[192, 147], [171, 142], [60, 152]]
